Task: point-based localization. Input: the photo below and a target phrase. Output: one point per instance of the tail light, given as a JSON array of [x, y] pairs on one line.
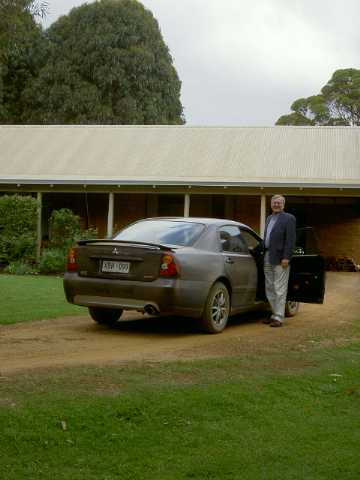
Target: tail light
[[71, 265], [168, 266]]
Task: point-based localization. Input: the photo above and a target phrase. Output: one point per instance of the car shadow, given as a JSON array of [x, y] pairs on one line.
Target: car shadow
[[248, 318], [168, 325], [172, 325]]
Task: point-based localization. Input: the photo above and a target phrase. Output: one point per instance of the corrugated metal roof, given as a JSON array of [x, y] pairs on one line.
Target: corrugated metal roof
[[322, 156]]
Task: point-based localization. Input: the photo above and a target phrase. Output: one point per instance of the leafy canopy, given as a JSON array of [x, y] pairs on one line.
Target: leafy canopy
[[107, 63], [15, 18], [21, 42], [337, 104]]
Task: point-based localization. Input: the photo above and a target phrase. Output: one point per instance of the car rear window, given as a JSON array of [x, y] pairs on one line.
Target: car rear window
[[168, 232]]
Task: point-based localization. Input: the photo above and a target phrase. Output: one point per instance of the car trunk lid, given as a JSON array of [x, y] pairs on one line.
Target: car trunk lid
[[138, 261]]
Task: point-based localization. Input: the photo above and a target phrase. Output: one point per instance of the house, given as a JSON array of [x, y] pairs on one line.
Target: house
[[113, 175]]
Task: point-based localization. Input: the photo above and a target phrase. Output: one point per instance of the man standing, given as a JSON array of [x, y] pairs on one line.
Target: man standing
[[280, 236]]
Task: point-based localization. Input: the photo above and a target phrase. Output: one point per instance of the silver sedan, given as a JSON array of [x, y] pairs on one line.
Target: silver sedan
[[204, 268]]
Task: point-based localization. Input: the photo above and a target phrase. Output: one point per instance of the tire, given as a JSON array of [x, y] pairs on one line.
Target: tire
[[217, 309], [291, 308], [105, 316]]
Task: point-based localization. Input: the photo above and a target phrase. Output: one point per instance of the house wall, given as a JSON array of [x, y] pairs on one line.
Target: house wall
[[247, 210], [128, 207], [335, 220], [242, 208], [91, 207], [170, 205], [202, 205]]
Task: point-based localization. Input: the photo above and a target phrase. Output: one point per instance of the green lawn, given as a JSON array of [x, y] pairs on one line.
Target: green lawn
[[216, 419], [284, 414], [33, 297]]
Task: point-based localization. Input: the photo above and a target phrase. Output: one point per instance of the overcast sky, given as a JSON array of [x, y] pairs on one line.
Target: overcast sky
[[243, 62]]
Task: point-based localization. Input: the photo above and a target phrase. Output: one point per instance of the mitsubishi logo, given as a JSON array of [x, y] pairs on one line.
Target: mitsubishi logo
[[116, 251]]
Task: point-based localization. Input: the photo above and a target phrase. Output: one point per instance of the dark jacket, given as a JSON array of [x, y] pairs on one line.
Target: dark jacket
[[282, 237]]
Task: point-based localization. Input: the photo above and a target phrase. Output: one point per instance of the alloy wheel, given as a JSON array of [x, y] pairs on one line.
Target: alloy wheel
[[219, 309]]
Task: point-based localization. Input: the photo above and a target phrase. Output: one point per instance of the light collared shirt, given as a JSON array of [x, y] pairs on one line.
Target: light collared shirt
[[273, 219]]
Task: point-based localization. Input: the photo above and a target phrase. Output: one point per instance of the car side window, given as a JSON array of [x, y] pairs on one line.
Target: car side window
[[231, 240], [251, 241]]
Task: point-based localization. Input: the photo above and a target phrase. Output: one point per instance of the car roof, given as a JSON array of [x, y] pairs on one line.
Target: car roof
[[205, 220]]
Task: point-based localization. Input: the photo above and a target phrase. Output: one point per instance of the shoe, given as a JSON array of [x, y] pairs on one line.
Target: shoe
[[276, 323], [269, 319]]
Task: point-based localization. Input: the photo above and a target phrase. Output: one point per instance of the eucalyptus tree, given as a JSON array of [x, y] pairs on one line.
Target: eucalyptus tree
[[21, 44], [107, 63], [338, 103]]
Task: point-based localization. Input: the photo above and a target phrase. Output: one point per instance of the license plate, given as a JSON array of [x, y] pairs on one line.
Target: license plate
[[111, 266]]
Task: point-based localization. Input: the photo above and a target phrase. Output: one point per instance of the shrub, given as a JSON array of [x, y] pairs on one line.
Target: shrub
[[65, 231], [21, 268], [88, 234], [52, 261], [18, 214], [15, 248], [64, 228], [18, 218]]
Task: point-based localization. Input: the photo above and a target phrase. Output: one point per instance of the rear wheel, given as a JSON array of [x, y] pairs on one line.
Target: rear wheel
[[105, 316], [291, 308], [217, 309]]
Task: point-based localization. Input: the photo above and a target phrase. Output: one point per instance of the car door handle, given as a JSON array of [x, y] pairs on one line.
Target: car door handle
[[229, 260]]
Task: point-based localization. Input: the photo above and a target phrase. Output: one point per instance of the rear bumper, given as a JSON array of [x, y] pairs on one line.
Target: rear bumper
[[165, 296]]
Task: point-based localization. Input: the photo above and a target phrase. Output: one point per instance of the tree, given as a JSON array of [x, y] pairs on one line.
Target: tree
[[21, 45], [337, 104], [15, 15], [107, 64]]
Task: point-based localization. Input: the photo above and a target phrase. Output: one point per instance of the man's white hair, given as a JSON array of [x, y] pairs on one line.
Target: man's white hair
[[278, 197]]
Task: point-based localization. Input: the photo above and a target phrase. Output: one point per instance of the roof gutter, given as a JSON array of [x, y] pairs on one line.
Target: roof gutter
[[189, 183]]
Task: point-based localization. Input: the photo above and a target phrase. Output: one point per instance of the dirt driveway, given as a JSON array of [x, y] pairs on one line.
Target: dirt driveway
[[79, 341]]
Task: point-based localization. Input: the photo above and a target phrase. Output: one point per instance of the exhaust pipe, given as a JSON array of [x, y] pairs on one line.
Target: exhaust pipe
[[151, 310]]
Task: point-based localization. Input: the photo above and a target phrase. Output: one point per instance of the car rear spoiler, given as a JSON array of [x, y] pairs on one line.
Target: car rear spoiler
[[156, 246]]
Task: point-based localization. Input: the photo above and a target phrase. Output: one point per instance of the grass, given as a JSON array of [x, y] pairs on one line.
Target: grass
[[33, 297], [285, 414], [214, 419]]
